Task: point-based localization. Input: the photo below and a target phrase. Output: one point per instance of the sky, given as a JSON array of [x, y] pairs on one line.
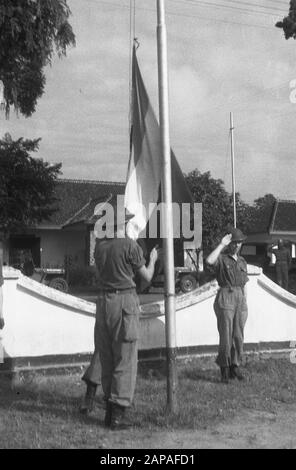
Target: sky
[[223, 56]]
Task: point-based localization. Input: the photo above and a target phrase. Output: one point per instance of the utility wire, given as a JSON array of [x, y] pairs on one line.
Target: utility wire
[[270, 116], [205, 4], [239, 101], [169, 13], [256, 5], [236, 2]]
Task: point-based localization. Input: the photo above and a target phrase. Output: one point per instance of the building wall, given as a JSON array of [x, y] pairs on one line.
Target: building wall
[[56, 244]]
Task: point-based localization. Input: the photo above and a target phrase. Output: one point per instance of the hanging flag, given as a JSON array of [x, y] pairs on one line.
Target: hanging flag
[[145, 164]]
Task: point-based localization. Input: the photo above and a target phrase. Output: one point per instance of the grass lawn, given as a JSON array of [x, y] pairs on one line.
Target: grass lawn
[[41, 411]]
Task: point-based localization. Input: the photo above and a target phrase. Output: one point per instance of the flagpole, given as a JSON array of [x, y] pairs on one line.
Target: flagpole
[[232, 166], [167, 220]]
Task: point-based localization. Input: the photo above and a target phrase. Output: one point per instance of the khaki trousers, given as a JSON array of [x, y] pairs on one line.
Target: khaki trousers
[[231, 311], [114, 362], [282, 275]]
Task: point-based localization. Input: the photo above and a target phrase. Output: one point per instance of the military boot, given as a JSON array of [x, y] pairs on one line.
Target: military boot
[[235, 373], [224, 375], [88, 401], [118, 418], [108, 414]]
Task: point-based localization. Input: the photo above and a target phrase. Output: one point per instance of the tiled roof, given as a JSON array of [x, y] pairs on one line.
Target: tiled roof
[[76, 199], [284, 217], [86, 214], [279, 217]]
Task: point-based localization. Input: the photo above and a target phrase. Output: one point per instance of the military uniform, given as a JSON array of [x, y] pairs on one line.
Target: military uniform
[[114, 362], [283, 260], [230, 308]]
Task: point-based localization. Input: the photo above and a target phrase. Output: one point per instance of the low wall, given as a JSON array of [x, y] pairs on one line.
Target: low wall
[[45, 325], [41, 321]]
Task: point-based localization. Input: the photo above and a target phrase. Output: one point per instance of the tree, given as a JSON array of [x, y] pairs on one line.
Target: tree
[[259, 214], [26, 185], [266, 201], [288, 24], [217, 207], [30, 32]]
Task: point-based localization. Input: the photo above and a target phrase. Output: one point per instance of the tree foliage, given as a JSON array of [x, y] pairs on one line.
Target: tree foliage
[[217, 207], [288, 24], [26, 185], [266, 201], [258, 215], [31, 31]]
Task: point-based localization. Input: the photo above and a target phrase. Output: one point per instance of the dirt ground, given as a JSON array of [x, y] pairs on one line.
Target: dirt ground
[[250, 430]]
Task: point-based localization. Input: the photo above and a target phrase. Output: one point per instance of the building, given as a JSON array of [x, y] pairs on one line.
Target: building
[[275, 222], [68, 233]]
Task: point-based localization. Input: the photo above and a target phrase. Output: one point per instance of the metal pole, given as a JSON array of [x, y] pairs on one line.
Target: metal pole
[[170, 318], [232, 165]]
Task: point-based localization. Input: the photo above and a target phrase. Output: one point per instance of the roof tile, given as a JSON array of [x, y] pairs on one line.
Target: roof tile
[[76, 199], [285, 216]]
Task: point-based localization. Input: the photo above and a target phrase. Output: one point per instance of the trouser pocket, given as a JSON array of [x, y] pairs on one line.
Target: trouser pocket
[[130, 319], [225, 299]]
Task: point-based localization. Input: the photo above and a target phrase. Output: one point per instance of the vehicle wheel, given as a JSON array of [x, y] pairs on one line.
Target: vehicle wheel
[[59, 283], [188, 283]]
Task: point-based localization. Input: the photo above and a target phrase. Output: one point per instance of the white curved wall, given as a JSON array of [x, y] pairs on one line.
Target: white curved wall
[[271, 318], [41, 321]]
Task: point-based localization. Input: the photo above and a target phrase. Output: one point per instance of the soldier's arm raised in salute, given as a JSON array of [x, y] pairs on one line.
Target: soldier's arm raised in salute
[[212, 258]]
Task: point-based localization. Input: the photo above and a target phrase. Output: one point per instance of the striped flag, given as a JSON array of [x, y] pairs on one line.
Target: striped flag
[[145, 164]]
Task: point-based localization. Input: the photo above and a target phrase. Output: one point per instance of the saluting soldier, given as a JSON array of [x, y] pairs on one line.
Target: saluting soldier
[[231, 302]]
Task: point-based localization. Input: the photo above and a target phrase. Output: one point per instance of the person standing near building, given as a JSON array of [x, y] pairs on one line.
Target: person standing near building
[[231, 303], [282, 264], [114, 362]]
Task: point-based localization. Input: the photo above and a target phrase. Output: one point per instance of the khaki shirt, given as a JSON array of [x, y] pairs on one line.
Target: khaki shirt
[[231, 273], [117, 260]]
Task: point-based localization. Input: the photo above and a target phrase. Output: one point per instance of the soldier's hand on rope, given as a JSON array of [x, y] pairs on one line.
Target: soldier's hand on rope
[[154, 254]]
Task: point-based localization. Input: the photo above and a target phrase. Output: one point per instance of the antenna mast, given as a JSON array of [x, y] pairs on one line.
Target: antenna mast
[[232, 166]]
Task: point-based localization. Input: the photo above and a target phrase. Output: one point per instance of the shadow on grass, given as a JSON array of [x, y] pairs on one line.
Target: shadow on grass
[[152, 370], [29, 397], [158, 371], [201, 375]]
